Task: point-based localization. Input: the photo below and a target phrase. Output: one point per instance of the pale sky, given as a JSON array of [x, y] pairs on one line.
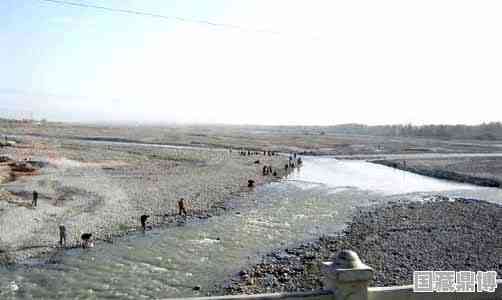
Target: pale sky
[[327, 62]]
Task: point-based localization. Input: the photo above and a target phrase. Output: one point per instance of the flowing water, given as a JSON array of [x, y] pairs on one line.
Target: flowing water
[[168, 262]]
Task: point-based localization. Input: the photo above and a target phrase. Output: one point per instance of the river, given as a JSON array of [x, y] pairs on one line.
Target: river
[[317, 199]]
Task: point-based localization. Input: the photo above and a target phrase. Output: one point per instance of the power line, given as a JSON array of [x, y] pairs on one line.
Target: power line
[[154, 15]]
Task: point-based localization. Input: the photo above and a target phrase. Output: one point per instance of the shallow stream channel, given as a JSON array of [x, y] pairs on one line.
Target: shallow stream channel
[[318, 199]]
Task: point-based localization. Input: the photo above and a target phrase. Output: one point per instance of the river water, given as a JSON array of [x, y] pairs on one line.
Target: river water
[[168, 262]]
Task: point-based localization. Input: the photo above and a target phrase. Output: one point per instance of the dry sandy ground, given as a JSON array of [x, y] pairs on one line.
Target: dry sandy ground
[[103, 189]]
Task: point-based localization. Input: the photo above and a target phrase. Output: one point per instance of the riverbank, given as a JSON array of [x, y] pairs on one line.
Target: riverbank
[[308, 140], [104, 188], [395, 239], [482, 171]]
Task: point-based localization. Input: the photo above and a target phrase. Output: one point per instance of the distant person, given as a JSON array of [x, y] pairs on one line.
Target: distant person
[[62, 235], [181, 207], [86, 240], [143, 219], [265, 170], [250, 183], [275, 174], [270, 169], [35, 199], [286, 167]]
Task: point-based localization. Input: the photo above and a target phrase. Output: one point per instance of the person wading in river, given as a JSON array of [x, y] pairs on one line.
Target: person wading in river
[[86, 240], [181, 207], [143, 219]]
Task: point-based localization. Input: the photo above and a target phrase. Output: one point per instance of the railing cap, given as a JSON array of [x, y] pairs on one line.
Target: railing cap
[[348, 267]]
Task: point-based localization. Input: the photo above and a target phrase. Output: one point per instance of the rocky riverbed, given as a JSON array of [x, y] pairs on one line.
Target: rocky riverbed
[[103, 188], [395, 239]]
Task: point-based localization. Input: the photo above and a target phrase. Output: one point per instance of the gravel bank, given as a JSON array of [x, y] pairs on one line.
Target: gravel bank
[[105, 188], [483, 171], [395, 240]]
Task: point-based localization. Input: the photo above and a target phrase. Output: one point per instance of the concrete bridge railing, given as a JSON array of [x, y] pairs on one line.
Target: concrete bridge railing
[[347, 278]]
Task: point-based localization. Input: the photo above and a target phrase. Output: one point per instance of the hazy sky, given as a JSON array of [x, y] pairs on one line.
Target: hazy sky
[[330, 62]]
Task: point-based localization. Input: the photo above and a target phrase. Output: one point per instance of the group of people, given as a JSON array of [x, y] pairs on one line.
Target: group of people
[[293, 162], [267, 170], [249, 152], [86, 241], [86, 238], [182, 211]]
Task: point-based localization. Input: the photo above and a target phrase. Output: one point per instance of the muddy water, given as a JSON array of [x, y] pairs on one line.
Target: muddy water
[[318, 199]]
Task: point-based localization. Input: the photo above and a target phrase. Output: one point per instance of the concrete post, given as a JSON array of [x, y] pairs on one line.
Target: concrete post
[[347, 276]]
